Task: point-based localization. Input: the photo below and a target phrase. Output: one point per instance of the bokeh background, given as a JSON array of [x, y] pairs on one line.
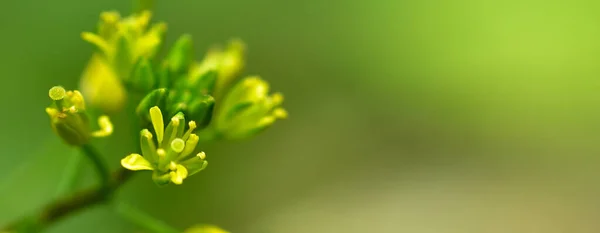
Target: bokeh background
[[406, 116]]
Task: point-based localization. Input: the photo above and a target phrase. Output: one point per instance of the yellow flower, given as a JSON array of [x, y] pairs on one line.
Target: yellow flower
[[69, 120], [101, 86], [169, 152], [247, 109], [228, 63], [120, 43]]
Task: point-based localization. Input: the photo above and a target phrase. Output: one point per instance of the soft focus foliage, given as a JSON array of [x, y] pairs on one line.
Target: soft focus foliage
[[412, 116]]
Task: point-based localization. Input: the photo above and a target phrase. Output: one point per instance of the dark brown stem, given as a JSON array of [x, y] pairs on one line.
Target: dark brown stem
[[61, 208]]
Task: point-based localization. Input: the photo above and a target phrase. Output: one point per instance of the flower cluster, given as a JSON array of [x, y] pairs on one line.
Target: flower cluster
[[180, 102], [209, 93], [120, 44]]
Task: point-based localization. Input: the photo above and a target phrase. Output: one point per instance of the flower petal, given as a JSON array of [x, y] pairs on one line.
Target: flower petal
[[158, 123], [136, 162], [106, 127], [179, 174]]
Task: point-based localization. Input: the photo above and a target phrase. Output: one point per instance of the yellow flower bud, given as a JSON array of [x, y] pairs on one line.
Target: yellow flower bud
[[228, 63], [102, 87], [69, 120], [247, 109]]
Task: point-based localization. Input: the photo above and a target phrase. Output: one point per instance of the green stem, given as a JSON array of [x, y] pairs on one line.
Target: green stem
[[70, 174], [143, 220], [69, 205], [98, 163]]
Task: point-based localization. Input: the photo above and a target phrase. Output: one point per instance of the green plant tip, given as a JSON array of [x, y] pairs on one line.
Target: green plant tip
[[177, 145], [57, 93]]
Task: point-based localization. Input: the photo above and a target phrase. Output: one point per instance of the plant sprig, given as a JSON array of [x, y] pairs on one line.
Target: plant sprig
[[178, 102]]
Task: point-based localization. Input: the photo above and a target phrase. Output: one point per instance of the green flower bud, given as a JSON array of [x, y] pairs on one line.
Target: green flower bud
[[227, 63], [248, 109], [142, 78], [156, 97], [180, 56], [197, 108], [201, 84], [68, 118], [201, 110], [101, 86], [169, 152], [123, 59]]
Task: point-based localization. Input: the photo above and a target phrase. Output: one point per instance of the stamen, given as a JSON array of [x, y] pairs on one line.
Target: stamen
[[146, 133], [106, 127], [280, 113], [201, 155], [162, 158], [161, 153], [276, 99], [72, 109], [98, 41], [110, 17], [192, 125], [265, 121], [170, 132], [189, 148], [77, 100], [173, 166], [148, 147]]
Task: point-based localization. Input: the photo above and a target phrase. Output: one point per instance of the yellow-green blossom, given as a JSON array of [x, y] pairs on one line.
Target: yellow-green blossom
[[120, 43], [205, 229], [247, 109], [169, 152], [69, 120], [101, 86], [228, 63]]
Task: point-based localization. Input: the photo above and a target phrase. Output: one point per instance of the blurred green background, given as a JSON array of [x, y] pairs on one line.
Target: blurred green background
[[406, 116]]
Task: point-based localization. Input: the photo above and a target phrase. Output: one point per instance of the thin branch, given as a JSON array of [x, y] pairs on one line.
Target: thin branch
[[98, 163], [61, 208]]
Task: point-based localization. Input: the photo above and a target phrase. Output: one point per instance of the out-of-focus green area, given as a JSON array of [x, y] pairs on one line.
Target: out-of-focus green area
[[406, 116]]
